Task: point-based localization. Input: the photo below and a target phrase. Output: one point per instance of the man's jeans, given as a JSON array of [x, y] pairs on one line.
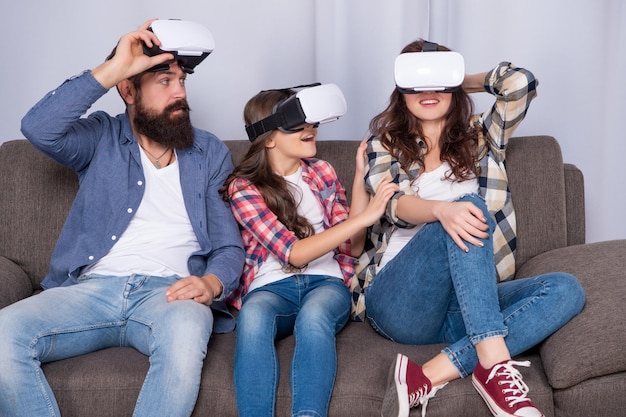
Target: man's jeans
[[433, 292], [97, 313], [312, 307]]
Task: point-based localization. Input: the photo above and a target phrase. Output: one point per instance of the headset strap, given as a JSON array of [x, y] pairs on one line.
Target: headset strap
[[271, 122], [429, 47]]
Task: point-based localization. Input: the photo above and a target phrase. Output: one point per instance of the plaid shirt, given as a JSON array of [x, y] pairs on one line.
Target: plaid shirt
[[263, 234], [514, 89]]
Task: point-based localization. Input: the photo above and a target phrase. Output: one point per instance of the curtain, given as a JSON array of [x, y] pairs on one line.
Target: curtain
[[576, 48]]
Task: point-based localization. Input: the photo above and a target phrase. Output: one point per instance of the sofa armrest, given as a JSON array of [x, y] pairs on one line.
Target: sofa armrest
[[575, 204], [592, 343], [14, 283]]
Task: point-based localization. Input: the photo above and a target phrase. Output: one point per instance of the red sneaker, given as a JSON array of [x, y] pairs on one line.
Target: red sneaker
[[407, 387], [504, 391]]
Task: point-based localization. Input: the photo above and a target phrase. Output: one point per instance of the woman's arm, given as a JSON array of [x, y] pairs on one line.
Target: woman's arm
[[513, 88], [463, 221], [474, 83]]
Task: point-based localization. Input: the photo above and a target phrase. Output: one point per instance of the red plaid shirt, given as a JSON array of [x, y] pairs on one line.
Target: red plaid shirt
[[263, 234]]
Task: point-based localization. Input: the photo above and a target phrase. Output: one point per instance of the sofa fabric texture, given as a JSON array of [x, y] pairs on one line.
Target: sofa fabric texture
[[580, 371]]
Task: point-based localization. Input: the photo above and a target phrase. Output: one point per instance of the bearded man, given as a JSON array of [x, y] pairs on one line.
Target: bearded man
[[149, 251]]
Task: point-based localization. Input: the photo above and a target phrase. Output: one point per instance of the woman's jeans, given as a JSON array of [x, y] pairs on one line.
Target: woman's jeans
[[101, 312], [433, 292], [312, 307]]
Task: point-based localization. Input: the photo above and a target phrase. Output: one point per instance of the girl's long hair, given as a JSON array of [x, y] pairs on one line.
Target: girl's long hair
[[398, 130], [256, 167]]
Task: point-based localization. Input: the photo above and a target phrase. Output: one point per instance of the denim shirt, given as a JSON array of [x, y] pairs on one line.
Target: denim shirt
[[104, 152]]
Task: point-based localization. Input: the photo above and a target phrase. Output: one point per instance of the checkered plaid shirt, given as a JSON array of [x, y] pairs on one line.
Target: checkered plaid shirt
[[263, 234], [514, 89]]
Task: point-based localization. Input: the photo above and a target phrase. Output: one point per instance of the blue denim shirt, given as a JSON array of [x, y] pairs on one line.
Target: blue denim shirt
[[104, 152]]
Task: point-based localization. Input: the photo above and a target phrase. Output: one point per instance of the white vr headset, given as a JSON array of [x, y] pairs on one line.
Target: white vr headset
[[315, 104], [189, 42], [430, 70]]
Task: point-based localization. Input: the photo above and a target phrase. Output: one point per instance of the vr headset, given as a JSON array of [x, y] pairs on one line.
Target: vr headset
[[314, 104], [189, 42], [430, 70]]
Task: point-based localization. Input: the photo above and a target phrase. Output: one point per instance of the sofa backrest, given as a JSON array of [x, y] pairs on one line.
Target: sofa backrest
[[37, 194], [549, 206], [548, 216]]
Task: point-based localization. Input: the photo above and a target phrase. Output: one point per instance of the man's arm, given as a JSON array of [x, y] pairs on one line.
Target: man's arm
[[54, 124]]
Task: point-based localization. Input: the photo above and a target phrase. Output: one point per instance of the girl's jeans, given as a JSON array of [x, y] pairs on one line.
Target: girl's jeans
[[97, 313], [312, 307], [433, 292]]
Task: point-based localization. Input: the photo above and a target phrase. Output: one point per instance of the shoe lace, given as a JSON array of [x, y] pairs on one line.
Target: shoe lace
[[421, 396], [517, 390]]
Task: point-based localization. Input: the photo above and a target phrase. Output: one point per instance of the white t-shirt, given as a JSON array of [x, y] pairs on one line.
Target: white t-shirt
[[309, 207], [431, 185], [159, 238]]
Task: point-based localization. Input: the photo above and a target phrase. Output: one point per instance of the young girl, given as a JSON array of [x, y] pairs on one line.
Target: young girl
[[430, 276], [300, 245]]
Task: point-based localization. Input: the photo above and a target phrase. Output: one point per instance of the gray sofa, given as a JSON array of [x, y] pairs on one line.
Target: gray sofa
[[580, 371]]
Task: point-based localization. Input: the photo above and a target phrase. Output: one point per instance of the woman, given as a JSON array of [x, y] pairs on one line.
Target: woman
[[447, 238], [300, 246]]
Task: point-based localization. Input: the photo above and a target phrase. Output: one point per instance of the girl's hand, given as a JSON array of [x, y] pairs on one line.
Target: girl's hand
[[377, 204], [464, 222], [361, 159]]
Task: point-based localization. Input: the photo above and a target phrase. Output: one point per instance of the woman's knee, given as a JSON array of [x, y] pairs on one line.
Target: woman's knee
[[570, 291]]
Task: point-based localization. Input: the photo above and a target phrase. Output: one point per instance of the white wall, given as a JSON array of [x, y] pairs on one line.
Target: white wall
[[577, 49]]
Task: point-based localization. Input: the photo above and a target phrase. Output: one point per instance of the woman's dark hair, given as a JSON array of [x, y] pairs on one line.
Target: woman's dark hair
[[398, 130], [256, 167]]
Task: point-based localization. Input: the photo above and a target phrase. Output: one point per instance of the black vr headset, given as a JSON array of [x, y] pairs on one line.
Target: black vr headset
[[442, 71], [189, 42], [314, 104]]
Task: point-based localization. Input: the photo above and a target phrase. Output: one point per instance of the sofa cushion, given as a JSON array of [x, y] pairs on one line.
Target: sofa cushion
[[595, 397], [592, 343], [15, 284]]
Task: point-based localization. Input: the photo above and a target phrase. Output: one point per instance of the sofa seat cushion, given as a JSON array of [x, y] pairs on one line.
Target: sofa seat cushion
[[364, 361], [107, 382], [592, 343]]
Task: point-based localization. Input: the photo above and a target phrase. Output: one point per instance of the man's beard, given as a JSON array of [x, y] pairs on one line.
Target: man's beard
[[172, 131]]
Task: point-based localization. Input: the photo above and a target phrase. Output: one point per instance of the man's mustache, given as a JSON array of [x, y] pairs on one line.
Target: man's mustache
[[179, 105]]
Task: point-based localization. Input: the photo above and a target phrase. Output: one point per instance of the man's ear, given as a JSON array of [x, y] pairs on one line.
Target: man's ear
[[127, 91]]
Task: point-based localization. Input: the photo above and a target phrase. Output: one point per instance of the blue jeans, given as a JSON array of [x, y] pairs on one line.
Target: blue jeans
[[97, 313], [312, 307], [433, 292]]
